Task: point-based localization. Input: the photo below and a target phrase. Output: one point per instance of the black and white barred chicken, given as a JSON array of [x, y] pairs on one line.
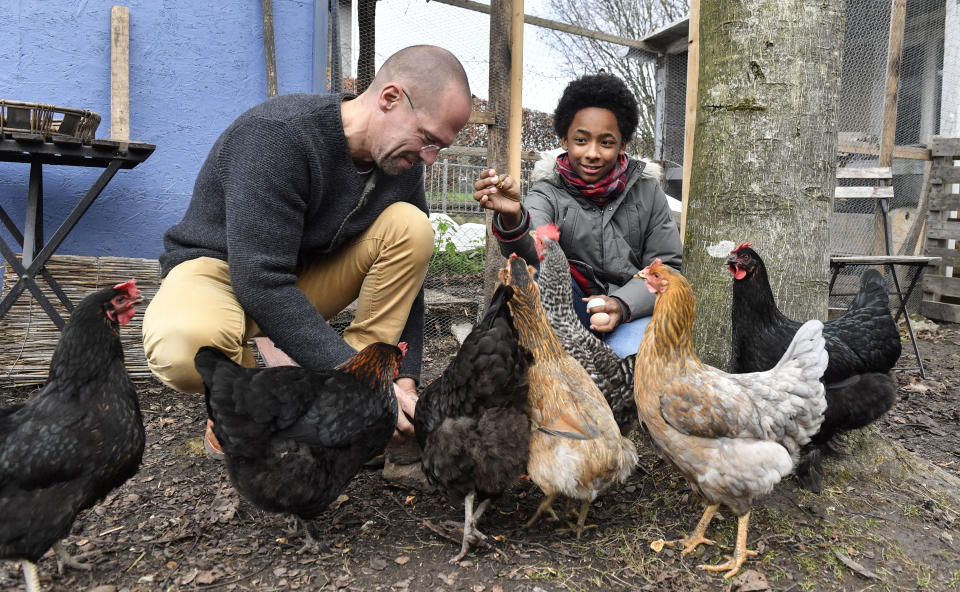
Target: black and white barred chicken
[[612, 374]]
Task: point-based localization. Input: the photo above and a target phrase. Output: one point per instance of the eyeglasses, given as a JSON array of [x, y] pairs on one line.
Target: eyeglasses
[[427, 148]]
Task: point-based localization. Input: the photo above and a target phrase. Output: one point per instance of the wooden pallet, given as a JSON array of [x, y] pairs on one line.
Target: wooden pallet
[[941, 293]]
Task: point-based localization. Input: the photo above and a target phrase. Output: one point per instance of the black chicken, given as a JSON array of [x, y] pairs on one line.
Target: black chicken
[[863, 344], [63, 449], [293, 438], [471, 422]]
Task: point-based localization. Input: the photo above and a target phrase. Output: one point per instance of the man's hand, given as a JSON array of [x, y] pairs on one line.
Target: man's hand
[[406, 391], [605, 318], [500, 193]]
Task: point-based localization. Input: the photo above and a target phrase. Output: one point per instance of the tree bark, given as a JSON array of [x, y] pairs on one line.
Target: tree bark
[[764, 155]]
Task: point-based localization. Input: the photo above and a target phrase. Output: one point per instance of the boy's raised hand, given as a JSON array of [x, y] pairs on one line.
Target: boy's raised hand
[[500, 193]]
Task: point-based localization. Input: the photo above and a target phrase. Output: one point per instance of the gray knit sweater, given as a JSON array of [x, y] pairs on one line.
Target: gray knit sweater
[[277, 191]]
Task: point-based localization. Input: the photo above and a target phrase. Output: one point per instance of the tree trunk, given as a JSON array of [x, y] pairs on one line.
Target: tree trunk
[[764, 155], [367, 28]]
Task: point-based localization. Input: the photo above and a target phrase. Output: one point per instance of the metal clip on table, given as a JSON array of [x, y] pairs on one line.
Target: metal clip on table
[[38, 150]]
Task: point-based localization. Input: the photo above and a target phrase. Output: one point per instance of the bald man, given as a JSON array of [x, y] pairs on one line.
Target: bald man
[[306, 203]]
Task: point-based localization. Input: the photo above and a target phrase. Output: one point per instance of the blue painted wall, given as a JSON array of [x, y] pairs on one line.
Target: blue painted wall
[[194, 66]]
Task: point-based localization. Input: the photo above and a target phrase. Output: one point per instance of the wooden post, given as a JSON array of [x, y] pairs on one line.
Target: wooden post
[[120, 73], [497, 132], [690, 117], [898, 15], [516, 88], [269, 48]]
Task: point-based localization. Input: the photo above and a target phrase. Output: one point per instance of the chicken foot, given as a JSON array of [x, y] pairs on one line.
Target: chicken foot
[[30, 576], [740, 552], [695, 538], [471, 533], [311, 537], [64, 559], [582, 519], [545, 506]]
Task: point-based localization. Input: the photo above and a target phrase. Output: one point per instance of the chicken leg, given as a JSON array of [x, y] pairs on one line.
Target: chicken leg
[[582, 519], [740, 552], [30, 575], [64, 559], [695, 538], [545, 506], [471, 533]]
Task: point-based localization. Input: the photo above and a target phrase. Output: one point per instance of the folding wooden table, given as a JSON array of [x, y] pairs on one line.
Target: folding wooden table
[[38, 150]]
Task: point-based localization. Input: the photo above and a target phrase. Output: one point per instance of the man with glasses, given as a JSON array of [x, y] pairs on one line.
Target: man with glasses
[[305, 204]]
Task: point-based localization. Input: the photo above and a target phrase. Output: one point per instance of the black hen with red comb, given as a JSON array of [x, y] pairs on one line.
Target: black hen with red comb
[[863, 344], [292, 437], [81, 436], [472, 423]]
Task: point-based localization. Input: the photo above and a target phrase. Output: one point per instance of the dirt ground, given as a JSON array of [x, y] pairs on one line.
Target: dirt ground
[[178, 524]]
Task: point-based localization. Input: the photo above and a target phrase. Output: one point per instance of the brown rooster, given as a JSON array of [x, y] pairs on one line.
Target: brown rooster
[[732, 436], [576, 448]]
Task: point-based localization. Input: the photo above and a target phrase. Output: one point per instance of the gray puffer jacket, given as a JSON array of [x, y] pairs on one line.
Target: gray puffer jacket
[[609, 245]]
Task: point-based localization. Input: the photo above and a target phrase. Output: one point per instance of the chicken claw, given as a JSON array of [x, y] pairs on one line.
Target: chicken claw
[[740, 552], [694, 539], [545, 506]]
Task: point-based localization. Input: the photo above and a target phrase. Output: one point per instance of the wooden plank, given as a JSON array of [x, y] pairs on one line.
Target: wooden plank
[[515, 119], [909, 152], [483, 117], [942, 285], [898, 17], [478, 151], [944, 146], [949, 201], [120, 73], [943, 229], [942, 175], [690, 114], [557, 26], [940, 311], [269, 48], [947, 256], [863, 192], [864, 173], [885, 259]]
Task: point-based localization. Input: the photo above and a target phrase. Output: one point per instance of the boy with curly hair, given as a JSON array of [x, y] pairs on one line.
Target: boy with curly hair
[[614, 219]]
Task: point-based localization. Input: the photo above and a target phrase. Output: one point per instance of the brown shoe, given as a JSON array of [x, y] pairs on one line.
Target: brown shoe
[[211, 444]]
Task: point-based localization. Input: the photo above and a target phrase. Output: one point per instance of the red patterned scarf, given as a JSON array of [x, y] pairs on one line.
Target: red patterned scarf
[[607, 188]]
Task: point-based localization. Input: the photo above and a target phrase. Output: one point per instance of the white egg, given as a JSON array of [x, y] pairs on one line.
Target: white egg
[[601, 318], [595, 302]]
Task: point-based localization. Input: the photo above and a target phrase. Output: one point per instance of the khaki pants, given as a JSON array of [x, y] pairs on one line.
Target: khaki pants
[[383, 269]]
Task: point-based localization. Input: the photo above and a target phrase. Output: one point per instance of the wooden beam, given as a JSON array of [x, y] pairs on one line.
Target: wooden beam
[[120, 73], [910, 152], [898, 17], [515, 126], [497, 140], [269, 48], [864, 173], [557, 26], [484, 117], [690, 117]]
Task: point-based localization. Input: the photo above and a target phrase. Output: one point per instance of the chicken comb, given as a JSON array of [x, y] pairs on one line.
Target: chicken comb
[[403, 348], [741, 246], [129, 286], [656, 261], [549, 231]]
